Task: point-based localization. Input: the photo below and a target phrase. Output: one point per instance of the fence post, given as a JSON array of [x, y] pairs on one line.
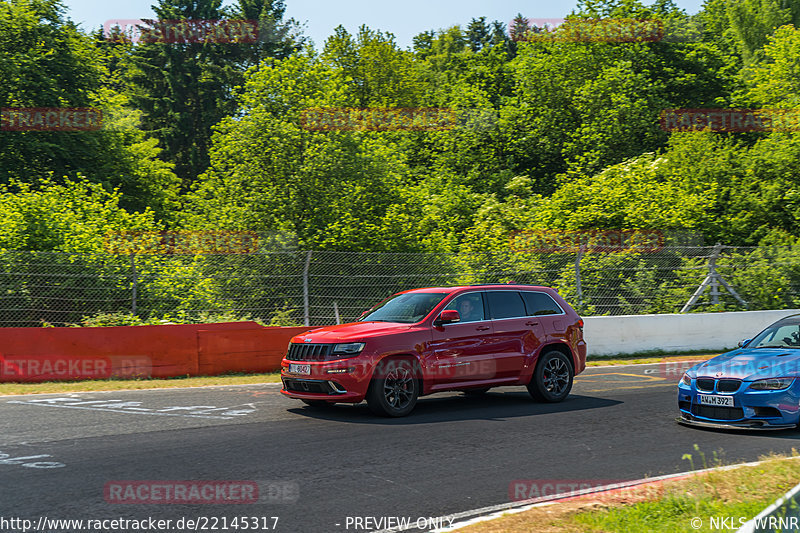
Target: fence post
[[712, 270], [135, 283], [306, 313], [714, 279]]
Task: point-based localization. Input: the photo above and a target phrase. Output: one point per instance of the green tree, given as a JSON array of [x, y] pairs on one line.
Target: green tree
[[378, 73], [423, 43], [589, 104], [277, 38], [46, 62], [478, 34], [752, 21], [774, 81], [184, 88], [520, 27], [74, 216]]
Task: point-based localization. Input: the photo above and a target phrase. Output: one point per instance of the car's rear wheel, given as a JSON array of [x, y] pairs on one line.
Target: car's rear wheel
[[394, 388], [552, 379], [477, 392]]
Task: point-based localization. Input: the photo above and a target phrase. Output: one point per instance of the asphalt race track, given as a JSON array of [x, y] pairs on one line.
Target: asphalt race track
[[319, 470]]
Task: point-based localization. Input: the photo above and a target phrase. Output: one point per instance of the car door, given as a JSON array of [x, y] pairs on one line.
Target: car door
[[547, 312], [516, 335], [459, 350]]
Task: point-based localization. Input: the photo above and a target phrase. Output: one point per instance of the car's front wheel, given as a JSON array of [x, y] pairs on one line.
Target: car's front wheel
[[394, 389], [552, 379]]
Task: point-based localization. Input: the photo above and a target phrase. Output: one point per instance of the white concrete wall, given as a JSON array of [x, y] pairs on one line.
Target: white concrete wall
[[608, 335]]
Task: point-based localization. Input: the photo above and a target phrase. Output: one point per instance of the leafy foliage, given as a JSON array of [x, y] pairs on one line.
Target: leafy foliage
[[546, 134]]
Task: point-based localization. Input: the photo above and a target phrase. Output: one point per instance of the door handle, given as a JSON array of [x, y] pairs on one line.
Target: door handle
[[482, 328], [531, 323]]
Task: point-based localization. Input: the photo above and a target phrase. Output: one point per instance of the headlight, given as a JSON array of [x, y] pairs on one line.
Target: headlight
[[351, 348], [772, 384], [686, 380]]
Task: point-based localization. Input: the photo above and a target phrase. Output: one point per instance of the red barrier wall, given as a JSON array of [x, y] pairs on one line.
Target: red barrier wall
[[243, 350], [54, 354]]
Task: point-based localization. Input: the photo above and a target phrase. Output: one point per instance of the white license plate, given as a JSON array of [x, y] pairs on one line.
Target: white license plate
[[725, 401], [300, 369]]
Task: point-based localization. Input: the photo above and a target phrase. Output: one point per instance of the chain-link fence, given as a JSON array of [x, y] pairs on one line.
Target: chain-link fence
[[324, 287]]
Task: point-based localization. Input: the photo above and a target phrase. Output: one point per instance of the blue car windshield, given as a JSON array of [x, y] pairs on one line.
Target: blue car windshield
[[405, 308], [778, 336]]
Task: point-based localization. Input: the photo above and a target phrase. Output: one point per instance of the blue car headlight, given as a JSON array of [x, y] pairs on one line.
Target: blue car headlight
[[772, 384], [686, 380], [349, 349]]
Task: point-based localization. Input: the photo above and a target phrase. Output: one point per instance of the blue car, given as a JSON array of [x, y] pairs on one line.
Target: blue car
[[756, 386]]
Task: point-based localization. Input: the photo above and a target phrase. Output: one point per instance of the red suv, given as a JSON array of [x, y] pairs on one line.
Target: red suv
[[440, 339]]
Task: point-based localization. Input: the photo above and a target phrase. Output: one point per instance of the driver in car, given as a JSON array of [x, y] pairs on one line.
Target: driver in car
[[468, 311]]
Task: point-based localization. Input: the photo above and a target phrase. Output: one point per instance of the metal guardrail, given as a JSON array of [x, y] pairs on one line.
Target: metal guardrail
[[781, 516]]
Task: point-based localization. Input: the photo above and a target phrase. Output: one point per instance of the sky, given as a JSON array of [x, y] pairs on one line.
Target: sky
[[404, 19]]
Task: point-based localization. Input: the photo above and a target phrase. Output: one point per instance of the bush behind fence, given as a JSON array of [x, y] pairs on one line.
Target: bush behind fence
[[323, 287]]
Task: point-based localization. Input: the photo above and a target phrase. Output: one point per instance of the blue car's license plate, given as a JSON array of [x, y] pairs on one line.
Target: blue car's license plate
[[705, 399]]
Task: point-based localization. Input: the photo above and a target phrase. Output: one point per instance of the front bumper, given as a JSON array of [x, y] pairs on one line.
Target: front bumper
[[689, 420], [343, 380], [752, 409]]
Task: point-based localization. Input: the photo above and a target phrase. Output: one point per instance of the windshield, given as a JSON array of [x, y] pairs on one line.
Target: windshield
[[779, 336], [407, 308]]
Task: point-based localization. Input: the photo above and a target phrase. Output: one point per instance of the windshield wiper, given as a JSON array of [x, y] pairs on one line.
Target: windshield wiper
[[782, 346]]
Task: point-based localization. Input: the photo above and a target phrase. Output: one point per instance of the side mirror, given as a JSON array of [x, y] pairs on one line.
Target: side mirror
[[447, 316], [744, 343]]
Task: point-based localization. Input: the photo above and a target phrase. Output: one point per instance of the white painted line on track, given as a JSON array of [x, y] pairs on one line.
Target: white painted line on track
[[123, 410]]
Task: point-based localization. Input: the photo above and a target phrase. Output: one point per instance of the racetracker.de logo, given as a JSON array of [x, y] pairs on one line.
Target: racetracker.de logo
[[608, 241], [60, 368], [187, 31], [50, 119], [730, 120], [602, 489], [181, 492], [670, 370]]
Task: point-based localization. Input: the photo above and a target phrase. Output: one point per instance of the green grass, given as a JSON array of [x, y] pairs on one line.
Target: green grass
[[672, 514], [133, 384], [650, 357], [740, 493], [736, 493]]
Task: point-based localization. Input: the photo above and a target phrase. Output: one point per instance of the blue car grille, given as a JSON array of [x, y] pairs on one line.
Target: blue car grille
[[728, 385], [718, 385], [705, 384], [717, 412]]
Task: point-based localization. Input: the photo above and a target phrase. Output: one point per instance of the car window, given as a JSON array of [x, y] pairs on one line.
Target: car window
[[469, 307], [505, 304], [786, 336], [539, 303], [407, 308]]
